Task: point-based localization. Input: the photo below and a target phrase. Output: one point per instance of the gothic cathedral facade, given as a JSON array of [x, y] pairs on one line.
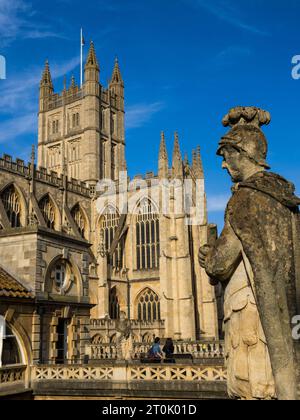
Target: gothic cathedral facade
[[83, 266]]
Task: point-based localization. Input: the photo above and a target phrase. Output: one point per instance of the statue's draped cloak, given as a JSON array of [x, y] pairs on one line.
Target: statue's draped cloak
[[261, 212]]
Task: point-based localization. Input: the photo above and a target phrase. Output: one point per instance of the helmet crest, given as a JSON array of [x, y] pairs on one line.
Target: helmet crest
[[245, 134]]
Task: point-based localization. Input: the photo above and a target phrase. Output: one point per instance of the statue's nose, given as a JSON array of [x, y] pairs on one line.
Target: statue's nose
[[224, 165]]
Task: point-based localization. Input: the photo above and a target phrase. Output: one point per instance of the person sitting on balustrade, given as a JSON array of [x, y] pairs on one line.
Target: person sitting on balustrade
[[155, 352], [168, 349]]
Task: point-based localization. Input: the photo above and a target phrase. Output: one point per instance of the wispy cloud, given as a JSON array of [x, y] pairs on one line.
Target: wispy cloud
[[217, 203], [233, 51], [13, 128], [138, 115], [19, 20], [19, 103], [21, 92], [19, 100], [227, 12]]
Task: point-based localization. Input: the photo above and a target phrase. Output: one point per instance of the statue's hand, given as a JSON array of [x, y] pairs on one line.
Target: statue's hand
[[203, 254]]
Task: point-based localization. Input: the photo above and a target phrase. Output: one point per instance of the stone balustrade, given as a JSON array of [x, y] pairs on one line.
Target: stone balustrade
[[199, 350], [130, 380], [17, 167], [110, 323], [127, 373], [103, 330], [116, 378], [12, 379]]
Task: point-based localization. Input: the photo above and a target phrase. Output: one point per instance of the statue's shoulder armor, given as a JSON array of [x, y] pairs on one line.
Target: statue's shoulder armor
[[240, 196]]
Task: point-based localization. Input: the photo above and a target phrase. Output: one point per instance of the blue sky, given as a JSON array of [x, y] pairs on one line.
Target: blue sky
[[184, 63]]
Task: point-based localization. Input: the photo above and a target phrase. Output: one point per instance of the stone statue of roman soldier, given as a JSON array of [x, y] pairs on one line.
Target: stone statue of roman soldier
[[124, 338], [257, 260]]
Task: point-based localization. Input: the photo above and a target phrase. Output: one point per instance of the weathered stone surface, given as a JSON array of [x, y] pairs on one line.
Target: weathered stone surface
[[255, 258]]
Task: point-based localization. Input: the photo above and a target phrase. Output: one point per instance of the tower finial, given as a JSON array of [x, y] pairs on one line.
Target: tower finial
[[197, 163], [92, 59], [46, 77], [186, 160], [73, 83], [32, 168], [116, 76], [177, 164], [32, 154], [163, 149], [163, 164], [177, 153]]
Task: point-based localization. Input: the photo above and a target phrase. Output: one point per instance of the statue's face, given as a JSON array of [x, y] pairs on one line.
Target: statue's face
[[232, 162]]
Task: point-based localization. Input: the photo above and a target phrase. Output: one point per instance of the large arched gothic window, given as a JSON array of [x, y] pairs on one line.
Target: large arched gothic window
[[79, 219], [109, 224], [114, 304], [148, 306], [11, 202], [147, 237], [47, 208]]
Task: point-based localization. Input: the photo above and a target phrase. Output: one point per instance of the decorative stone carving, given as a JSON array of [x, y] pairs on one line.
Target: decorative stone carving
[[124, 338], [254, 259], [32, 219]]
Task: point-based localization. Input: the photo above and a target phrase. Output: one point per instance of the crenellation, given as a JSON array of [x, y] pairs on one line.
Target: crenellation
[[18, 167], [85, 267]]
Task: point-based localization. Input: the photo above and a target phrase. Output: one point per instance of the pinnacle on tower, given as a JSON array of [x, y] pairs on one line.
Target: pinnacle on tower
[[65, 83], [32, 156], [186, 160], [163, 155], [92, 70], [163, 166], [73, 83], [92, 59], [177, 164], [177, 153], [46, 80], [116, 76], [197, 163]]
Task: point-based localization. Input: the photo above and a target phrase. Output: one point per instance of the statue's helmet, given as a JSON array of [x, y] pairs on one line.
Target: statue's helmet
[[246, 135]]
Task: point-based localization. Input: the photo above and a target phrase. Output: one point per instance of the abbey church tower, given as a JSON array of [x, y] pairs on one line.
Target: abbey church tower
[[82, 128]]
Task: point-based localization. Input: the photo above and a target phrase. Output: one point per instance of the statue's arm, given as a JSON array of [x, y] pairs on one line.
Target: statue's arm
[[225, 256]]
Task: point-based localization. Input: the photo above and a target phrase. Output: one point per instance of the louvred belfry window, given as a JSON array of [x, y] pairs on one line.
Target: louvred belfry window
[[11, 202], [147, 237]]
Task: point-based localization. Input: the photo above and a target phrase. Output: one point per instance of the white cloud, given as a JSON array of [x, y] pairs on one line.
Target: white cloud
[[19, 20], [138, 115], [21, 92], [217, 203], [19, 100], [230, 14], [15, 127], [234, 51]]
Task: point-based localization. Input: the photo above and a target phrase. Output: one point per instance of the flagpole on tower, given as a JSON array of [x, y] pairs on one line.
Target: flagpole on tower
[[81, 57]]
